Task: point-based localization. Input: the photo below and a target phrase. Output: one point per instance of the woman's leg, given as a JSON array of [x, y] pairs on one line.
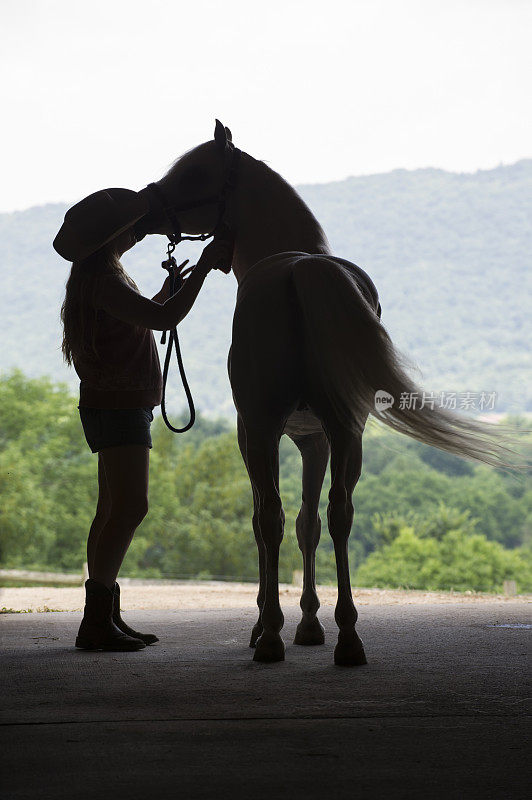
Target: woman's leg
[[100, 518], [126, 477]]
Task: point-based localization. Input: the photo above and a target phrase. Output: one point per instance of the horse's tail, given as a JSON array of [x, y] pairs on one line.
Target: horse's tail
[[353, 359]]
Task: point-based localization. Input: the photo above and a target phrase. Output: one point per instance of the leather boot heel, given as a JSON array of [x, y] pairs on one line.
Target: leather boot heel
[[147, 638]]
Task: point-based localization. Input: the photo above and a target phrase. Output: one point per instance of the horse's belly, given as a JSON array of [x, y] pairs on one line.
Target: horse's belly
[[302, 423]]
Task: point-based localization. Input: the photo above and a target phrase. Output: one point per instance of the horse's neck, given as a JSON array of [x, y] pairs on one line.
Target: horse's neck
[[271, 218]]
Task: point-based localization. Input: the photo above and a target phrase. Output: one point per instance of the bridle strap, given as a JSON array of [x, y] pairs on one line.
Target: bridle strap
[[168, 208]]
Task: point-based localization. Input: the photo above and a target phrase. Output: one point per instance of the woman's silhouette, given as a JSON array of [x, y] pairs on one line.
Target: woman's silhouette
[[107, 337]]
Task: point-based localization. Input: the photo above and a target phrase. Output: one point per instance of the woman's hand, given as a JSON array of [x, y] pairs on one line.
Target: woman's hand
[[181, 271], [163, 295]]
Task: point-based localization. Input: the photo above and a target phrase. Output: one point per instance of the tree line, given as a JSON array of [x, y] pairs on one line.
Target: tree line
[[423, 519]]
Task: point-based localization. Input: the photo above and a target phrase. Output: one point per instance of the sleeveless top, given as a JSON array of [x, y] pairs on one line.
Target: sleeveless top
[[126, 372]]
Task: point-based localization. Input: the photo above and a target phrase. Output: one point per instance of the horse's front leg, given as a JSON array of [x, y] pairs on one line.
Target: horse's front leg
[[262, 460], [314, 449]]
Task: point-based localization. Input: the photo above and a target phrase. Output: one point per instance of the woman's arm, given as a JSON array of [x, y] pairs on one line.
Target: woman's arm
[[123, 302], [162, 295]]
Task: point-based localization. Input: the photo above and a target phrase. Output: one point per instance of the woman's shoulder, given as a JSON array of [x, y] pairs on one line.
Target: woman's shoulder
[[109, 285]]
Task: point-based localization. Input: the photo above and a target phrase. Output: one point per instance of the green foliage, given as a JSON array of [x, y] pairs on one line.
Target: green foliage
[[46, 476], [458, 561], [419, 520]]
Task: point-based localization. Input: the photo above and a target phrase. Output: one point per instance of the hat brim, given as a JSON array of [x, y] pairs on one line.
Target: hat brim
[[98, 219]]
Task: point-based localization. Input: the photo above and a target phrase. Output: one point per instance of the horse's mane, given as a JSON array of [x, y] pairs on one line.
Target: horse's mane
[[175, 164], [275, 177], [300, 213], [261, 167]]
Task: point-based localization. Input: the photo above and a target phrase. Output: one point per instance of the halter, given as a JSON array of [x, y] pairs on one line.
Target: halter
[[155, 193], [221, 228]]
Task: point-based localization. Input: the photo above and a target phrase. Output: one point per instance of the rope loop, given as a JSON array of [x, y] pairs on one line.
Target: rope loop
[[176, 283]]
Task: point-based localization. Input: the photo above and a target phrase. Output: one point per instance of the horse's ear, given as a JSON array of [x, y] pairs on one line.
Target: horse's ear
[[220, 135], [228, 134]]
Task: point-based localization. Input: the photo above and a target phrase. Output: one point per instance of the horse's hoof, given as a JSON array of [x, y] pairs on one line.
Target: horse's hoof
[[310, 632], [350, 654], [270, 647], [255, 633]]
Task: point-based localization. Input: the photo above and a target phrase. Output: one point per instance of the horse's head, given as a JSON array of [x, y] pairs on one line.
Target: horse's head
[[215, 187], [191, 197]]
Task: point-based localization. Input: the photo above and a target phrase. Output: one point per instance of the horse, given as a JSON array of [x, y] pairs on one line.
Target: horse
[[309, 359]]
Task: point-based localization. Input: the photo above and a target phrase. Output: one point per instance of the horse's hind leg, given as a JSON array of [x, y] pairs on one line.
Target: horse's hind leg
[[346, 465], [257, 628], [262, 461], [314, 449]]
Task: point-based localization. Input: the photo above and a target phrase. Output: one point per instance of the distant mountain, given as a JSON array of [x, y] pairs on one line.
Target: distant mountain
[[450, 254]]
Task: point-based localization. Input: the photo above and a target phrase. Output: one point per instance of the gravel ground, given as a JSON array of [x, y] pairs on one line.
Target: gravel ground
[[220, 594]]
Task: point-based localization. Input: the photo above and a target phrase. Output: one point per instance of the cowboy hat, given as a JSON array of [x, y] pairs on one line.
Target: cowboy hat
[[97, 219]]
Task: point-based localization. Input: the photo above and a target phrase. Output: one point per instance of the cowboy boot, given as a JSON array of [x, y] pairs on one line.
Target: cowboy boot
[[147, 638], [97, 630]]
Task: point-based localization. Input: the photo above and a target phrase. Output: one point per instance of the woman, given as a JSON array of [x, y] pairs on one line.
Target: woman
[[108, 338]]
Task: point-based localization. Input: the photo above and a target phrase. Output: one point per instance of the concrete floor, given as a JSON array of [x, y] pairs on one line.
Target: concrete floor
[[438, 712]]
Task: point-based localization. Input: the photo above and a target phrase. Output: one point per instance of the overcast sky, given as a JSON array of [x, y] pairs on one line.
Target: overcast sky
[[109, 92]]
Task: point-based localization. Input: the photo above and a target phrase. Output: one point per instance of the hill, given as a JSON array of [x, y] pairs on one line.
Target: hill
[[449, 253]]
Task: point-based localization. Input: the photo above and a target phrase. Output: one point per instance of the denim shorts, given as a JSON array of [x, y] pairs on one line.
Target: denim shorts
[[113, 427]]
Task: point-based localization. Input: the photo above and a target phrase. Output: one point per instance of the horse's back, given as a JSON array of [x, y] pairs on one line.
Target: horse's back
[[273, 275]]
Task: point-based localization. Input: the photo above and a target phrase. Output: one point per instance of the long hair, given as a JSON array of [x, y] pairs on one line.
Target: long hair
[[79, 313]]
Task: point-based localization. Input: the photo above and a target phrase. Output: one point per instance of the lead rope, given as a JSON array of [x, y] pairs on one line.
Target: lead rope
[[176, 282]]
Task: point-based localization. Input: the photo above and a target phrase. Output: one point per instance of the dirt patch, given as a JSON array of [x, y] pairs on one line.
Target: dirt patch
[[219, 594]]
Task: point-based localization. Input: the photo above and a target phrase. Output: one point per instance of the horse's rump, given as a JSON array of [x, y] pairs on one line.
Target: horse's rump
[[272, 353], [271, 271]]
